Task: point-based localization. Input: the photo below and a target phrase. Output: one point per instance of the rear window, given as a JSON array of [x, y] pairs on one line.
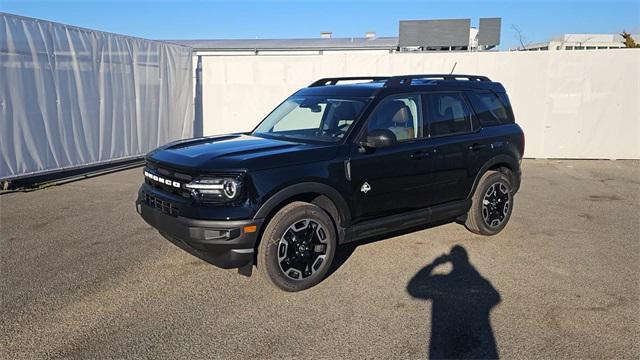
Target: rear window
[[489, 109]]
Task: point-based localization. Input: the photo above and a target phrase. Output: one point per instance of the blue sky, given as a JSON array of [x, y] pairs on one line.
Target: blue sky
[[193, 19]]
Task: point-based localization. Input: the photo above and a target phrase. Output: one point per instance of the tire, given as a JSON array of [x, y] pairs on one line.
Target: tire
[[491, 204], [297, 247]]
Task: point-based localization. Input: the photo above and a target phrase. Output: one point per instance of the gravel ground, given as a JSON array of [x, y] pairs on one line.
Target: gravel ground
[[84, 277]]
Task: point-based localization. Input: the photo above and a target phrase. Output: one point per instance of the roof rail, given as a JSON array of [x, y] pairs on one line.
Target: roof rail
[[335, 80], [406, 79]]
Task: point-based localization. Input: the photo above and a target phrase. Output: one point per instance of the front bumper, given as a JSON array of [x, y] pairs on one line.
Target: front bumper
[[224, 243]]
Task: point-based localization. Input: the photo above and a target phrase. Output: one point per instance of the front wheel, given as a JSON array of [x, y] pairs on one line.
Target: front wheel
[[297, 247], [492, 204]]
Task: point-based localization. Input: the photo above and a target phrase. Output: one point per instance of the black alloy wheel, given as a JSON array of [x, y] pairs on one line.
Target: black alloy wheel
[[297, 246], [491, 204], [302, 249], [495, 204]]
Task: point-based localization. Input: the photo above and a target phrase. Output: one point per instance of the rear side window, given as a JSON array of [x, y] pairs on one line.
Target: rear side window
[[489, 108], [447, 114]]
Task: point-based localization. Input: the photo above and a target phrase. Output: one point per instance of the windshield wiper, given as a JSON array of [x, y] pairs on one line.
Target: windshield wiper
[[298, 138]]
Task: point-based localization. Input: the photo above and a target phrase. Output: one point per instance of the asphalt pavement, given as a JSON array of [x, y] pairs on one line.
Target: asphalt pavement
[[84, 277]]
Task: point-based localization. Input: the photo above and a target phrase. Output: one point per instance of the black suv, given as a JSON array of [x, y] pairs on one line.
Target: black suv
[[336, 163]]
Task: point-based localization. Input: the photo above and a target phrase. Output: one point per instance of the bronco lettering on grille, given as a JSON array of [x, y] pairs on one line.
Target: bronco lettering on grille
[[162, 180]]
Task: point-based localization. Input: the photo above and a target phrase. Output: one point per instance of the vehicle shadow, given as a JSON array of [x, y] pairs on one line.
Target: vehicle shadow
[[344, 252], [460, 311], [194, 252]]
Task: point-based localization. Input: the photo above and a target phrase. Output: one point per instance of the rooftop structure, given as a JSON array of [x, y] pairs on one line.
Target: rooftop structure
[[579, 42], [314, 44], [414, 35]]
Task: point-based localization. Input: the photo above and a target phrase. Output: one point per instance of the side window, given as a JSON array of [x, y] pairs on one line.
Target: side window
[[447, 114], [402, 115], [489, 108], [341, 115]]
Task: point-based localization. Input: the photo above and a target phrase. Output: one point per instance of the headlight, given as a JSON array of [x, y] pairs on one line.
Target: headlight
[[215, 189]]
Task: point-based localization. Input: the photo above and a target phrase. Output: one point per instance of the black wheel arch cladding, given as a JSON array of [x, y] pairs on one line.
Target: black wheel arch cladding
[[336, 205]]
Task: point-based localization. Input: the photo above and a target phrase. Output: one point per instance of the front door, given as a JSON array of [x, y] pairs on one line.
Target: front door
[[391, 180]]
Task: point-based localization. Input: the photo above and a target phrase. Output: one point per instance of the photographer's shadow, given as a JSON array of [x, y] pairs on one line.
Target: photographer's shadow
[[461, 304]]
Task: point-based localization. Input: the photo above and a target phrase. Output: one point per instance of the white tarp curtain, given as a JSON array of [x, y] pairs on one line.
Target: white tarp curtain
[[571, 104], [71, 97]]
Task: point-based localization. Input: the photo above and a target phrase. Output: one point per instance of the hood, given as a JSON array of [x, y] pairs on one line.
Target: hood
[[239, 152]]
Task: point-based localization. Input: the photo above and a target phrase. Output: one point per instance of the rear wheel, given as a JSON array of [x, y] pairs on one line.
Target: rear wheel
[[492, 204], [297, 247]]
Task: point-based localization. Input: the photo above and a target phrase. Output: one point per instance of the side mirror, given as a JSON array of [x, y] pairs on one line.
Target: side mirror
[[380, 138]]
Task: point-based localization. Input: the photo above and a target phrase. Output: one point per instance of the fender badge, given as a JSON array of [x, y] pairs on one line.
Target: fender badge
[[365, 187]]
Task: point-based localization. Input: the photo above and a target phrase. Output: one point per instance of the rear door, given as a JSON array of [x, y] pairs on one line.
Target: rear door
[[455, 142], [391, 180]]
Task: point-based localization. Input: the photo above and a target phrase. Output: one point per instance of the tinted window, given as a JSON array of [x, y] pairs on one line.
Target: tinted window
[[401, 115], [447, 113], [489, 109], [504, 99]]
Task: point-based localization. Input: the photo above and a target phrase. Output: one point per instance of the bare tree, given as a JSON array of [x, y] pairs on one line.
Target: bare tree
[[521, 38]]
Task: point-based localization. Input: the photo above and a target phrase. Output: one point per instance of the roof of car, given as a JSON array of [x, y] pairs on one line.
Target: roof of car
[[400, 84], [355, 90]]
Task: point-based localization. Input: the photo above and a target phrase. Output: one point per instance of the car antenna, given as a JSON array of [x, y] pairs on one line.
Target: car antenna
[[453, 68]]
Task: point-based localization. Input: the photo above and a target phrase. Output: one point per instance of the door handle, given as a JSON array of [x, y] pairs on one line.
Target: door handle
[[419, 155], [476, 147]]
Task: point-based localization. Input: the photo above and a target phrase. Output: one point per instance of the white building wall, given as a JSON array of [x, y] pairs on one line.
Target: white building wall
[[570, 104]]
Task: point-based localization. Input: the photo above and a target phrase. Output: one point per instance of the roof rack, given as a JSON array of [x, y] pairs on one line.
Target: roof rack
[[406, 79], [335, 80]]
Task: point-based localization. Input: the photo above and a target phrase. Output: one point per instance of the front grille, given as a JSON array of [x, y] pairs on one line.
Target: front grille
[[169, 189], [169, 175], [163, 170], [164, 206]]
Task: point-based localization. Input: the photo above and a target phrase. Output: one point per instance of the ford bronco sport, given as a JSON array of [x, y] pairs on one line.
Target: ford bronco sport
[[341, 160]]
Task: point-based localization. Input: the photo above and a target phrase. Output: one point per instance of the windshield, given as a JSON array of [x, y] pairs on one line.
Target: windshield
[[322, 118]]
